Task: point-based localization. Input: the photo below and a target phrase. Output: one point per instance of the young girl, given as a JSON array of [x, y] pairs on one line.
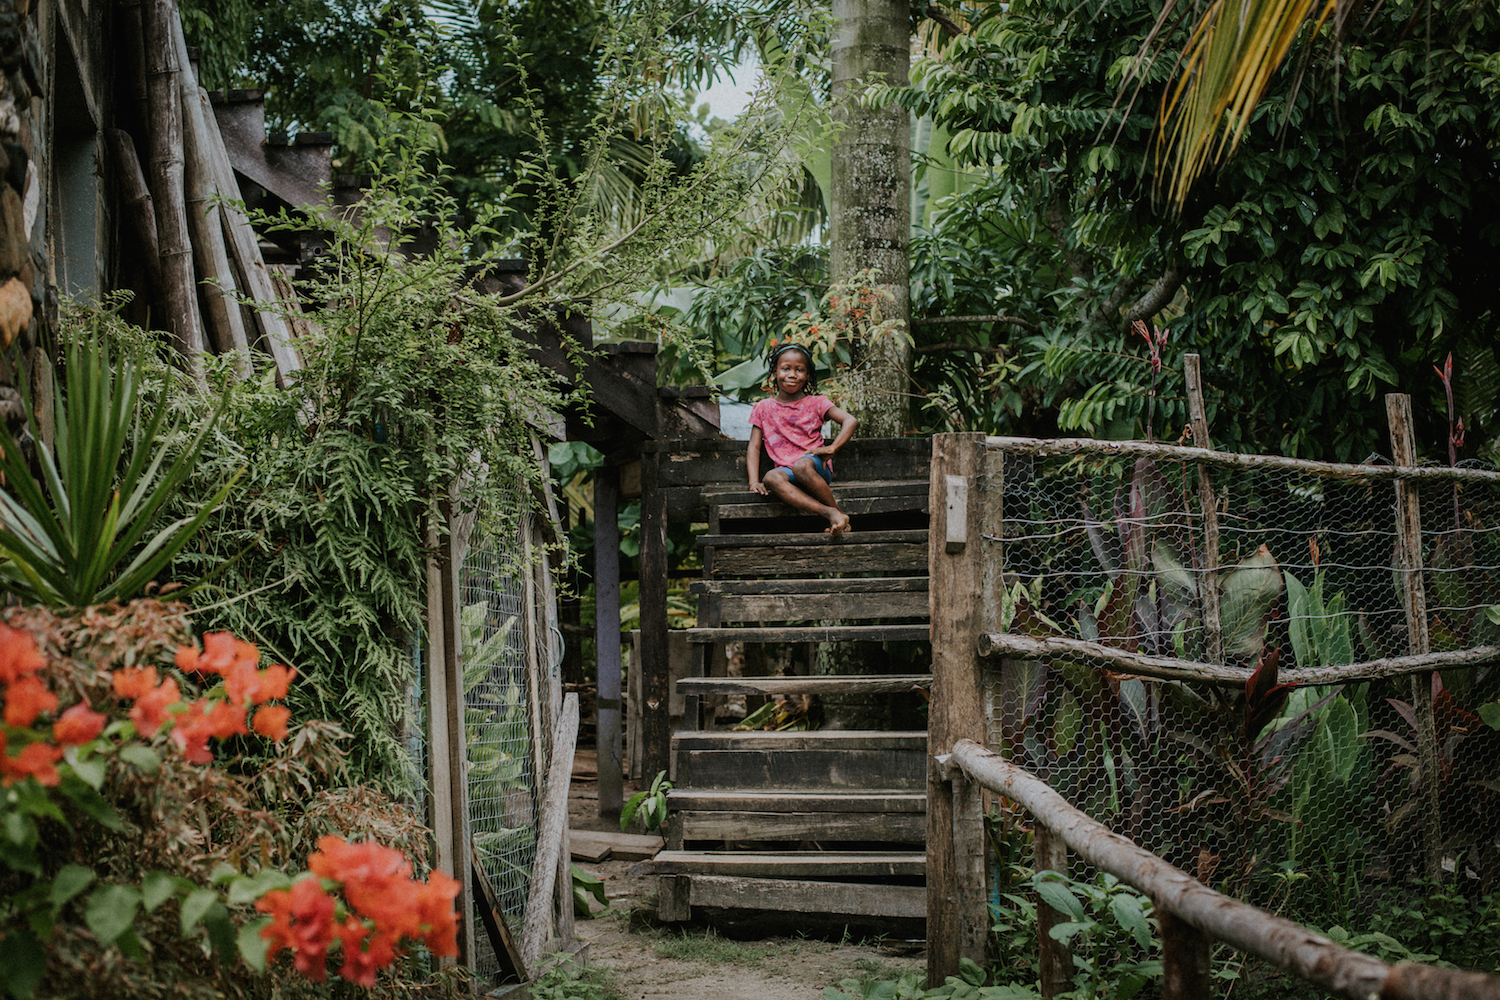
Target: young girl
[[791, 425]]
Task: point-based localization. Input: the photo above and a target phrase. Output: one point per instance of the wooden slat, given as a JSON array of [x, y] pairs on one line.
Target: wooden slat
[[847, 490], [816, 684], [783, 863], [834, 739], [795, 896], [806, 560], [910, 536], [817, 607], [853, 506], [810, 769], [781, 800], [894, 828], [718, 462], [811, 633], [843, 585], [622, 846]]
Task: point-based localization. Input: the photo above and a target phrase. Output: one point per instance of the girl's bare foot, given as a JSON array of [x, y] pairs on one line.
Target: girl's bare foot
[[838, 523]]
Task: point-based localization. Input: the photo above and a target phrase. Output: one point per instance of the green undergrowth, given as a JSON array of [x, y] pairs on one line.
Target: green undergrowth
[[566, 982]]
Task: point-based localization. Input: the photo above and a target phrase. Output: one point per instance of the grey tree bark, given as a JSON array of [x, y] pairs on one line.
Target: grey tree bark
[[870, 199]]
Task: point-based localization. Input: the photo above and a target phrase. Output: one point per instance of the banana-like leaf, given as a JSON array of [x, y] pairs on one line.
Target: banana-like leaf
[[1247, 595]]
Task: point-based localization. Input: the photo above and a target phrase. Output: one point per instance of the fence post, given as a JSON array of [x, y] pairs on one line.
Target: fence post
[[607, 637], [655, 724], [1185, 959], [957, 903], [1208, 582], [1054, 961], [1414, 600]]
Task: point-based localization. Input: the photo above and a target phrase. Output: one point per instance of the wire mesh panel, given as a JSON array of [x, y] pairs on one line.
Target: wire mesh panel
[[503, 797], [1284, 796]]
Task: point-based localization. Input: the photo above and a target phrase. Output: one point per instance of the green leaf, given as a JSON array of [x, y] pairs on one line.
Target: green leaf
[[143, 757], [156, 889], [195, 906], [69, 881], [111, 911], [221, 930], [90, 802], [90, 769], [1490, 714], [22, 963], [1060, 898], [1247, 595], [222, 873], [970, 972], [248, 889], [252, 947]]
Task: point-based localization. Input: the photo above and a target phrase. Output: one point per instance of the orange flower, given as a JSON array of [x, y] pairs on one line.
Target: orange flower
[[364, 952], [150, 709], [436, 913], [37, 760], [270, 721], [301, 922], [18, 655], [203, 719], [78, 725], [221, 651], [134, 682], [25, 699]]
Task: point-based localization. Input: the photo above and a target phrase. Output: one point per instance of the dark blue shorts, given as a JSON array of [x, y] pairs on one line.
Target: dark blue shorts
[[818, 464]]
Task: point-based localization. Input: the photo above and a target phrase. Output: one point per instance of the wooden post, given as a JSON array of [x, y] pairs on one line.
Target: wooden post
[[655, 676], [957, 902], [439, 760], [1185, 958], [607, 637], [549, 837], [1409, 565], [164, 139], [1054, 961], [458, 749], [137, 198], [1208, 580]]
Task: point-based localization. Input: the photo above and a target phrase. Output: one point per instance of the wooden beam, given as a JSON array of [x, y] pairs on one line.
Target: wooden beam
[[655, 721], [810, 633], [956, 711], [1168, 669], [1208, 577], [799, 896], [496, 927], [1286, 945], [607, 638], [1409, 566], [815, 684]]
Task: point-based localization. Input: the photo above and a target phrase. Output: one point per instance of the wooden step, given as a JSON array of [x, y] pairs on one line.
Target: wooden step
[[680, 893], [812, 633], [855, 760], [909, 536], [790, 864], [855, 554], [853, 506], [826, 585], [691, 826], [817, 607], [852, 490], [783, 800], [817, 684]]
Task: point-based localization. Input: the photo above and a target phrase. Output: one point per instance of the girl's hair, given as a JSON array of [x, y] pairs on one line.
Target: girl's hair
[[775, 356]]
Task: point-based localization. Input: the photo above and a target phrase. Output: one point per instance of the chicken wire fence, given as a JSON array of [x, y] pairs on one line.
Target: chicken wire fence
[[1285, 798]]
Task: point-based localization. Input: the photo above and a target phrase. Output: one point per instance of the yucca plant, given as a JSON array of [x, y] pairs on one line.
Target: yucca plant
[[79, 537]]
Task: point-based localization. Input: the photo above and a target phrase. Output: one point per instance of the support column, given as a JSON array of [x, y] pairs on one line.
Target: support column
[[607, 637], [655, 675]]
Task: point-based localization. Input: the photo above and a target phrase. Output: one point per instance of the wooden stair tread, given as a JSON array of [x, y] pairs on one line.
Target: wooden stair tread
[[853, 506], [819, 557], [853, 489], [909, 536], [831, 683], [825, 585], [830, 739], [790, 863], [811, 633], [807, 896], [781, 800]]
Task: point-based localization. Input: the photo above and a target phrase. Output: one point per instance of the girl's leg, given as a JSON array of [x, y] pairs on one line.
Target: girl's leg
[[817, 497]]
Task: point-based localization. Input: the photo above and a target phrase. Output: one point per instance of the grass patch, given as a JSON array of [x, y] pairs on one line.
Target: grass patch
[[565, 982], [708, 948]]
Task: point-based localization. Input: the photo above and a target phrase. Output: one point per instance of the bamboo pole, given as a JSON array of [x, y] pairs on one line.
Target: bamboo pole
[[1166, 668], [164, 139], [1045, 447], [1208, 581], [137, 198], [244, 250], [1414, 601], [1289, 946], [224, 321]]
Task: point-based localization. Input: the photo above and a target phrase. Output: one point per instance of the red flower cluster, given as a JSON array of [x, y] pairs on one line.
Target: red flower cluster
[[26, 698], [234, 660], [384, 908]]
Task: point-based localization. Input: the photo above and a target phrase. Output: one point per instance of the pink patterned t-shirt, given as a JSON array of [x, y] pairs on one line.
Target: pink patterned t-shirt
[[791, 430]]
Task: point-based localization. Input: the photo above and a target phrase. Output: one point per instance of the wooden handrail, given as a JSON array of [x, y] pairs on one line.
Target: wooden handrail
[[1044, 447], [1287, 945]]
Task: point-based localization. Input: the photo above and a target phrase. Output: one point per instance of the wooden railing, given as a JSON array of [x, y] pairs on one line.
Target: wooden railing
[[1191, 915]]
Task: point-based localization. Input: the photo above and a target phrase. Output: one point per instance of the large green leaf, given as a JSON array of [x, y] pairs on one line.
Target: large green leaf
[[1247, 595]]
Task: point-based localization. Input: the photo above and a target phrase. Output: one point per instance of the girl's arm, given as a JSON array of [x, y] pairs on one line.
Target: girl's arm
[[846, 422], [752, 462]]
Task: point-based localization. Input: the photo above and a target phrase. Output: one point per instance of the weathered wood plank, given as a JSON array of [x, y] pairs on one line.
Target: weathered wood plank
[[853, 506], [845, 557], [896, 828], [910, 536], [818, 607], [816, 684], [844, 585], [832, 739], [789, 863], [866, 489], [655, 721], [1208, 580], [708, 799], [807, 769], [795, 896], [703, 462], [811, 633], [623, 846]]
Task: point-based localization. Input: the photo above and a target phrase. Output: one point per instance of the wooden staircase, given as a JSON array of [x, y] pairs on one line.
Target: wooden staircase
[[829, 821]]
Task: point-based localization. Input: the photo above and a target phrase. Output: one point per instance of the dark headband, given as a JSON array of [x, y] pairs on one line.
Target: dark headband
[[775, 356]]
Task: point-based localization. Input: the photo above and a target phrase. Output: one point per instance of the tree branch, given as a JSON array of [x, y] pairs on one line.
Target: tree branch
[[1024, 324], [1156, 299]]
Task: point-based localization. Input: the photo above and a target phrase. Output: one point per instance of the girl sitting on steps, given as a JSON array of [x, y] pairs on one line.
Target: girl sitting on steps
[[791, 425]]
